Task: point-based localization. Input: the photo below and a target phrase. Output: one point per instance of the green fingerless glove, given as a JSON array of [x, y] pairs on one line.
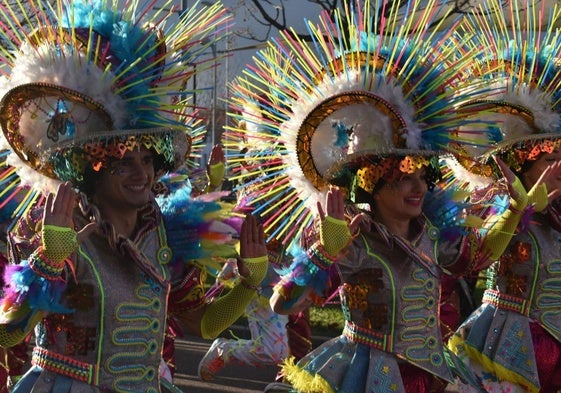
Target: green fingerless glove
[[227, 309], [58, 242], [257, 270], [504, 226], [216, 173], [537, 197], [335, 235]]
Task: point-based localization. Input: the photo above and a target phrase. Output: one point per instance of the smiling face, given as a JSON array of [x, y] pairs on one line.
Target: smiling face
[[532, 174], [126, 185], [402, 200]]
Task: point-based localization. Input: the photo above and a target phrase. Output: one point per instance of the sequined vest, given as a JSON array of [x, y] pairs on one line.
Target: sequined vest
[[527, 278], [114, 337], [390, 296]]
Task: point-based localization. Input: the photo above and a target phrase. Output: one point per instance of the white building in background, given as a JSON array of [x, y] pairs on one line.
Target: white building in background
[[241, 50]]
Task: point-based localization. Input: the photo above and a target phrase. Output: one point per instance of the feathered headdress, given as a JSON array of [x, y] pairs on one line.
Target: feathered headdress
[[84, 81], [516, 95], [368, 98]]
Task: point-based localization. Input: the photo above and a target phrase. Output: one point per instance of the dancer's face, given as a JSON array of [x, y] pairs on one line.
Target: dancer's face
[[402, 199], [530, 176], [128, 181]]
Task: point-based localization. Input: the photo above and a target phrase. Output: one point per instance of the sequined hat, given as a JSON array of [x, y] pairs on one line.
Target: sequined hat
[[368, 98], [87, 81], [517, 97]]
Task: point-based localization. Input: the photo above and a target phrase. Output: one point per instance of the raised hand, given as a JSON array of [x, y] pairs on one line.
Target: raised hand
[[252, 243], [551, 175], [59, 208], [335, 205], [252, 238], [216, 168]]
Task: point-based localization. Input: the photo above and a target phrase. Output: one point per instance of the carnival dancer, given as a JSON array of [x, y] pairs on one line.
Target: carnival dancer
[[89, 110], [268, 341], [367, 106], [513, 340]]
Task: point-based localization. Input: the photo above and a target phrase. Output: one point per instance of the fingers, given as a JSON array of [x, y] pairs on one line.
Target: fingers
[[249, 230], [551, 172], [320, 211], [505, 170], [555, 170], [550, 177], [216, 155], [60, 205], [252, 238], [335, 203], [355, 222]]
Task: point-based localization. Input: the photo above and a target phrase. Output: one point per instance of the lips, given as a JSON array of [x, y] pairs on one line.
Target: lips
[[416, 200], [136, 188]]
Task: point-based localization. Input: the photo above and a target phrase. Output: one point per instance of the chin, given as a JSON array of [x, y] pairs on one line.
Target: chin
[[138, 203], [414, 213]]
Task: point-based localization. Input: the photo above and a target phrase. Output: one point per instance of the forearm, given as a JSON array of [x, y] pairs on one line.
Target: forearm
[[34, 286], [11, 335], [225, 310], [506, 225]]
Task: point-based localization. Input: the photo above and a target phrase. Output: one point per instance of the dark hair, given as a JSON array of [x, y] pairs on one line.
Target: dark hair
[[90, 177], [357, 194]]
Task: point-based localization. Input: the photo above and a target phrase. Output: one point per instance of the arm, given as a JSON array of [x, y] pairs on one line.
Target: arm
[[311, 275], [34, 282], [498, 230], [211, 319]]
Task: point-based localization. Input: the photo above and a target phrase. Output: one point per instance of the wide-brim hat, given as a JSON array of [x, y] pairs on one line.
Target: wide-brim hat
[[516, 95], [353, 95], [94, 79]]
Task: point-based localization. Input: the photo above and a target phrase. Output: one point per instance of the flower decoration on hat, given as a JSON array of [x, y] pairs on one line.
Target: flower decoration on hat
[[87, 80], [516, 97], [368, 98]]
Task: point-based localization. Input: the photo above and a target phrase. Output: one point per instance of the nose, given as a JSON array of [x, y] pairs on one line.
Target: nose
[[419, 183], [137, 169]]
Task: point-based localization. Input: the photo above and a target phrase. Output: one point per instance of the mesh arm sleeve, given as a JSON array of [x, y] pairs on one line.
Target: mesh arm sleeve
[[335, 235], [504, 227], [225, 310], [10, 337]]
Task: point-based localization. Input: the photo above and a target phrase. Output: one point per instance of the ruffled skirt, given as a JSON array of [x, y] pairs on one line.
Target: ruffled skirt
[[340, 365]]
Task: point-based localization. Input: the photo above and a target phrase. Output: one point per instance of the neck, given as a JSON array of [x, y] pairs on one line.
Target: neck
[[398, 227], [123, 220]]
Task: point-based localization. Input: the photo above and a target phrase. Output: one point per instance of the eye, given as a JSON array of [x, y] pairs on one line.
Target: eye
[[120, 167]]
